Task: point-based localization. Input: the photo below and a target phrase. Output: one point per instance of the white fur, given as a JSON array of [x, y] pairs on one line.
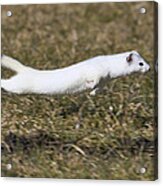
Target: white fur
[[88, 74]]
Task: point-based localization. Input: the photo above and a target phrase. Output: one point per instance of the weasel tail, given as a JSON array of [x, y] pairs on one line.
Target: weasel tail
[[12, 64]]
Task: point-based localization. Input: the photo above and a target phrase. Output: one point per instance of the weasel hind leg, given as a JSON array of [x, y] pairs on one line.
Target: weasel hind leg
[[10, 86]]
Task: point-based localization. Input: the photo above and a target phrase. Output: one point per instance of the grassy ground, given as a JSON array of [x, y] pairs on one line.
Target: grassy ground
[[109, 136]]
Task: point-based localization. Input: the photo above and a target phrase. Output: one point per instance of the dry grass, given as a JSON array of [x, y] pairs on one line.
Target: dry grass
[[109, 136]]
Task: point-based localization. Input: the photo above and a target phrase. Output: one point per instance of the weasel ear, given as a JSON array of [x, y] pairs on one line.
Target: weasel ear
[[129, 58]]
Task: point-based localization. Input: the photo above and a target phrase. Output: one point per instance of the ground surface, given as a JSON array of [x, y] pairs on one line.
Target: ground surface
[[108, 136]]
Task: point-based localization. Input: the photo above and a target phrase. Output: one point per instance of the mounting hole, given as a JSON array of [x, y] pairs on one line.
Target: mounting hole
[[9, 166], [142, 170], [9, 13], [142, 10]]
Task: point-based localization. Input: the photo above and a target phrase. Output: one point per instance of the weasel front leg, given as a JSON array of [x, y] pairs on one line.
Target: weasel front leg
[[92, 85], [97, 88], [94, 91]]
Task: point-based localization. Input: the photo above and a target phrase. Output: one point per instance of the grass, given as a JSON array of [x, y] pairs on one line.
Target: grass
[[109, 136]]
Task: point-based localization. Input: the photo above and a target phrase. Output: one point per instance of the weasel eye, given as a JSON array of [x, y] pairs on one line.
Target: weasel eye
[[141, 64]]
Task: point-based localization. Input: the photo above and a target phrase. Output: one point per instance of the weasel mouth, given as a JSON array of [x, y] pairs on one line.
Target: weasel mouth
[[147, 68], [144, 70]]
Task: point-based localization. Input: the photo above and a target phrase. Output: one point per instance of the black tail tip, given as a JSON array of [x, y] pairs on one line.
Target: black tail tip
[[2, 55]]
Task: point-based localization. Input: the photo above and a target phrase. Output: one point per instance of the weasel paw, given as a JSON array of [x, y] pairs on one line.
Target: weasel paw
[[92, 93]]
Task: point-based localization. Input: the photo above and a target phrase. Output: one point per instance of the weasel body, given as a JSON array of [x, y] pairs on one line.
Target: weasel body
[[88, 74]]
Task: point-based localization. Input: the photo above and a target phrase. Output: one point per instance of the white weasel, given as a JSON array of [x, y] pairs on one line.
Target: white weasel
[[89, 74]]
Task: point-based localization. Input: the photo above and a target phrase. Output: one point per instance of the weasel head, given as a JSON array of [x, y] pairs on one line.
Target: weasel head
[[135, 63]]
